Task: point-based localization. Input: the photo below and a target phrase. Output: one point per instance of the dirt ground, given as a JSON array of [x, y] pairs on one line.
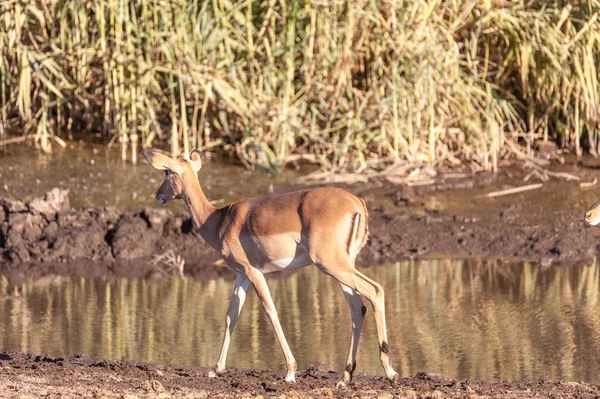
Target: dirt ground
[[25, 376]]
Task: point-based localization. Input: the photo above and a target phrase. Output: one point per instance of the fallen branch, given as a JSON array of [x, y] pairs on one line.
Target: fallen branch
[[20, 139], [514, 190], [16, 139], [589, 183], [562, 175]]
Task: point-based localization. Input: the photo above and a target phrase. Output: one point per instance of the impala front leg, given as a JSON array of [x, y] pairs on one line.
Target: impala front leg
[[264, 295], [235, 306]]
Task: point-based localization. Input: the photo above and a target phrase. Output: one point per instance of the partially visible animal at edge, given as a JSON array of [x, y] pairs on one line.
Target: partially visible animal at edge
[[592, 215], [326, 227]]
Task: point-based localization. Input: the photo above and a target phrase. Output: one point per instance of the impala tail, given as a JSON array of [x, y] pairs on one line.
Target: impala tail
[[359, 232]]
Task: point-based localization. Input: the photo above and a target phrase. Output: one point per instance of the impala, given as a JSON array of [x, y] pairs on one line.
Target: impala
[[326, 227], [592, 215]]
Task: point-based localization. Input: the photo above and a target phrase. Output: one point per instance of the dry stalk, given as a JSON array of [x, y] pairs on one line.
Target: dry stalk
[[169, 261]]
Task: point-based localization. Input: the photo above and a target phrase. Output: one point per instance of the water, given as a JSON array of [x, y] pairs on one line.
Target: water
[[95, 176], [463, 319]]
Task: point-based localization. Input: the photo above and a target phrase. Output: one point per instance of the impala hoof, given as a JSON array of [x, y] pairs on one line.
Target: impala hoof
[[395, 379], [212, 373], [290, 377], [346, 379], [341, 384]]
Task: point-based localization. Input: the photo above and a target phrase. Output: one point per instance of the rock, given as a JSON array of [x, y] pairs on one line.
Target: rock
[[108, 216], [132, 238], [33, 228], [22, 227], [174, 225], [39, 206], [11, 206], [37, 251], [156, 218], [73, 219], [54, 201], [18, 254], [157, 386], [59, 198], [80, 236], [49, 232], [4, 227]]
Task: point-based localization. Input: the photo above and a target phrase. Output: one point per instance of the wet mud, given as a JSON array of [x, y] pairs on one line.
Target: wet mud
[[45, 236], [36, 376], [451, 218]]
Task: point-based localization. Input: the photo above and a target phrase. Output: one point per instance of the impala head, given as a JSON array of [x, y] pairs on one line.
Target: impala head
[[177, 173], [592, 215]]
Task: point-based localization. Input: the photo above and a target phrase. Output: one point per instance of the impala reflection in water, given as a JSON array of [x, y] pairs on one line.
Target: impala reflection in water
[[464, 319]]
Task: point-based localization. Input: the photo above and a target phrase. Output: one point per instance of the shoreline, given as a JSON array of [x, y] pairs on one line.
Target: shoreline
[[450, 218], [24, 375]]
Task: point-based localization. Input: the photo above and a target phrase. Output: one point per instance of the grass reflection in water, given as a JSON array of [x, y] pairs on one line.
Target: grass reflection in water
[[465, 319]]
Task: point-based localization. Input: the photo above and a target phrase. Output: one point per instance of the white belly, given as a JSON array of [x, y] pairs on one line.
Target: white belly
[[286, 264]]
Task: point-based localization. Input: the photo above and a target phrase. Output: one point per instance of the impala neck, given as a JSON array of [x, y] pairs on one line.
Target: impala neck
[[204, 215]]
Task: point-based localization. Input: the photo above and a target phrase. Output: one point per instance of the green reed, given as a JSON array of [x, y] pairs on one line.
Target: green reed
[[348, 85]]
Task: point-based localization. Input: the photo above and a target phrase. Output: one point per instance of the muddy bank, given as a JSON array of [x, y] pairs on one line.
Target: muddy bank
[[23, 375], [449, 218], [45, 236], [48, 230]]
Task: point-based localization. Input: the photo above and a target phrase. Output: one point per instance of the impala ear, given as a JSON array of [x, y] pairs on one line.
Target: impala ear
[[196, 160], [160, 161]]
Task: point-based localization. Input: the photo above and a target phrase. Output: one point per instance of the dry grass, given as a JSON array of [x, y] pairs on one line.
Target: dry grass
[[169, 262], [352, 86]]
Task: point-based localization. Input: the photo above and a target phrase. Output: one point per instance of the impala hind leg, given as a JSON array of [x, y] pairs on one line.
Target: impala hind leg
[[374, 293], [343, 271], [357, 312], [235, 306], [264, 295]]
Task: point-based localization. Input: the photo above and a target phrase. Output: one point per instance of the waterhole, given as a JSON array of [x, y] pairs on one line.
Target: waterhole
[[463, 319]]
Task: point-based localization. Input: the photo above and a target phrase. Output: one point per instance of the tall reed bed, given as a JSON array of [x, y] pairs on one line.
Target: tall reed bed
[[350, 85]]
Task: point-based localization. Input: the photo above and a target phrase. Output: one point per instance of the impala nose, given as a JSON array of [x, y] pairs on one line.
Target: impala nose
[[588, 215], [160, 199]]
